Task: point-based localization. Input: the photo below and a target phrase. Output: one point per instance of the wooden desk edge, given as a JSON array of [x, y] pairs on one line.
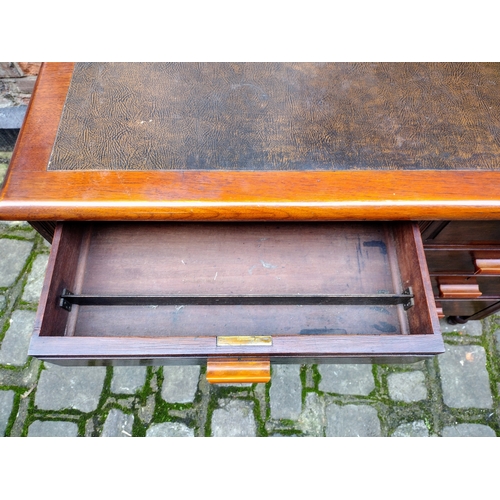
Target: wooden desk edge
[[30, 192]]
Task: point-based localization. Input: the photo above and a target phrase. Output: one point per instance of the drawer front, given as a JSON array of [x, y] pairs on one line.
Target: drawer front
[[443, 260], [462, 232], [468, 309], [174, 293], [467, 286]]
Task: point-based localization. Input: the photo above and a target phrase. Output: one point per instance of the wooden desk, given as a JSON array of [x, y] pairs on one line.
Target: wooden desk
[[406, 142], [274, 142]]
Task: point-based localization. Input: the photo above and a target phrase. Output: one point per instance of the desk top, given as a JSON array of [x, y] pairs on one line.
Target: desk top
[[258, 141]]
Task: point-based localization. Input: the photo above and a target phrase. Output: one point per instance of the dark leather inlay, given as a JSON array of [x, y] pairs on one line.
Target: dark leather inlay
[[280, 116]]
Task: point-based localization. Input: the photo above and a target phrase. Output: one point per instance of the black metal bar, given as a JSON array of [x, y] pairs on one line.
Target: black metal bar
[[214, 300]]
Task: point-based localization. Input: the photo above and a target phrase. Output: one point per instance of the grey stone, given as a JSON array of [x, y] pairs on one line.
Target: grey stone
[[14, 349], [473, 328], [286, 392], [236, 384], [412, 429], [407, 387], [128, 379], [146, 412], [33, 287], [14, 254], [45, 428], [312, 419], [180, 383], [170, 429], [3, 171], [118, 424], [12, 117], [73, 387], [497, 338], [464, 378], [468, 430], [6, 403], [352, 421], [3, 302], [234, 419], [15, 224], [346, 379]]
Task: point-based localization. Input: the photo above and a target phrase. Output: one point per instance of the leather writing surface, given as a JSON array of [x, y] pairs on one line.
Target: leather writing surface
[[280, 116]]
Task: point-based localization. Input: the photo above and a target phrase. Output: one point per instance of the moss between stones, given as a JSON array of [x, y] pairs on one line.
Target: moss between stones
[[18, 391]]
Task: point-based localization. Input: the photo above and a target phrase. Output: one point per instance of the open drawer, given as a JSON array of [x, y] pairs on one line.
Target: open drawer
[[177, 293]]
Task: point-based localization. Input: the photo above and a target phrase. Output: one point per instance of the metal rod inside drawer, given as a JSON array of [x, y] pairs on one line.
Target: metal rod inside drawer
[[382, 299]]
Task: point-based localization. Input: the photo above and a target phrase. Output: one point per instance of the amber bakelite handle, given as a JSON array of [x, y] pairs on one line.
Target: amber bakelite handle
[[459, 291], [440, 313], [487, 266], [235, 371]]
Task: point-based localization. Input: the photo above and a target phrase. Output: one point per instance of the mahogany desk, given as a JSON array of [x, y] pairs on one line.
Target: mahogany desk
[[322, 152]]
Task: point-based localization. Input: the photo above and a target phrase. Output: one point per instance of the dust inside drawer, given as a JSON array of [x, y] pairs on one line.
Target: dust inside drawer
[[170, 291]]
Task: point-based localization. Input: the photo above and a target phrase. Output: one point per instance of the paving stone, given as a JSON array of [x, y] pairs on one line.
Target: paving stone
[[412, 429], [14, 254], [14, 348], [6, 403], [407, 387], [33, 287], [352, 421], [146, 412], [180, 383], [16, 224], [346, 379], [3, 171], [128, 379], [76, 387], [40, 428], [286, 392], [170, 429], [468, 430], [118, 424], [312, 419], [473, 328], [464, 378], [234, 419]]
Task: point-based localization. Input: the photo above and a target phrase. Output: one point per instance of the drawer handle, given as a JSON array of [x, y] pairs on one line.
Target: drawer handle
[[459, 291], [487, 266], [440, 312], [233, 371]]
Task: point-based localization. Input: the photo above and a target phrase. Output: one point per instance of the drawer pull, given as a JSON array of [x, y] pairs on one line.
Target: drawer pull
[[224, 340], [459, 291], [233, 371], [440, 312], [487, 266]]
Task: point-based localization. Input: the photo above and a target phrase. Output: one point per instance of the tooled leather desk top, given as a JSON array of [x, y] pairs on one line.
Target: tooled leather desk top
[[280, 116]]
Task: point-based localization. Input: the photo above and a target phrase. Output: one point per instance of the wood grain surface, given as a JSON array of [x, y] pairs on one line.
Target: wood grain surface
[[469, 189]]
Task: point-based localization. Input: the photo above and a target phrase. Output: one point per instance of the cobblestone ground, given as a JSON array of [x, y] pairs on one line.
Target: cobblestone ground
[[455, 394]]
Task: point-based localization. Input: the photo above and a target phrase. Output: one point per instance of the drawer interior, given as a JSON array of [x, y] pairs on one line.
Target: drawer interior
[[192, 283]]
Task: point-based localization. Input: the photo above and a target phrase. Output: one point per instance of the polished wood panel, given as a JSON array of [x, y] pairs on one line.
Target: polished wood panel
[[182, 350], [409, 249], [32, 193]]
